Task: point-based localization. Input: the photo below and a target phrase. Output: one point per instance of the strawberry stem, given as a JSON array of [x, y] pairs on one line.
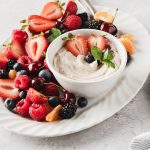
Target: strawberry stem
[[115, 15]]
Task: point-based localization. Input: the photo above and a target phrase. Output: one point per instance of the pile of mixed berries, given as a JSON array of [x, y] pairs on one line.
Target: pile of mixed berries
[[26, 84]]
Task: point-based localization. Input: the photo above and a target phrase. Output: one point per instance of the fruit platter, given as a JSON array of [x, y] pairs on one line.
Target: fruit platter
[[94, 50]]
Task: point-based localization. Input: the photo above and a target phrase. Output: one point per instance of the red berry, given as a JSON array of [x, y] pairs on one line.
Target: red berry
[[22, 82], [22, 107], [45, 64], [69, 98], [38, 83], [38, 112], [36, 97], [3, 61], [34, 68], [73, 22], [20, 36], [72, 8], [51, 89], [25, 61]]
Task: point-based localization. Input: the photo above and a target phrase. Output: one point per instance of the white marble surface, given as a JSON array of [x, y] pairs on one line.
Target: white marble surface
[[114, 133]]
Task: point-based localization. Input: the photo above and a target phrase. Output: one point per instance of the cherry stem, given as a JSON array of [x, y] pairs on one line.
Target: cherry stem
[[115, 15]]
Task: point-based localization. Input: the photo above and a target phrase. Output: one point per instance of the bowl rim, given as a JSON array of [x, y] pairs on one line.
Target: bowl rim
[[121, 68]]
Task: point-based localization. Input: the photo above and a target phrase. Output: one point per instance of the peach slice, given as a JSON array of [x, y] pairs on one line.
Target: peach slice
[[54, 114], [128, 36], [128, 44], [104, 16]]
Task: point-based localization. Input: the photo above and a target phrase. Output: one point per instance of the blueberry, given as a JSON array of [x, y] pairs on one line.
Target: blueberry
[[3, 74], [83, 16], [46, 74], [17, 66], [64, 31], [22, 94], [82, 102], [54, 101], [10, 103], [10, 63], [22, 72], [89, 58]]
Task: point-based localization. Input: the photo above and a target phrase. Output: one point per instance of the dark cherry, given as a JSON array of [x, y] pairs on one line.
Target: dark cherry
[[34, 68], [69, 98], [38, 83], [110, 28]]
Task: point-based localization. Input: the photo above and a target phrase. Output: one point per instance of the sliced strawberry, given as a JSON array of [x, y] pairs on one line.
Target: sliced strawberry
[[52, 11], [77, 45], [36, 46], [36, 97], [39, 24], [3, 61], [15, 50], [98, 41], [7, 89]]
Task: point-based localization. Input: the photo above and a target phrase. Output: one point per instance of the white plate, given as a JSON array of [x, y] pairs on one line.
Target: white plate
[[98, 110]]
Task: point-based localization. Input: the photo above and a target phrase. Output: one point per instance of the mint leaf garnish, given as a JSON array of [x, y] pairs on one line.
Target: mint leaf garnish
[[108, 63], [54, 34], [96, 53], [107, 55]]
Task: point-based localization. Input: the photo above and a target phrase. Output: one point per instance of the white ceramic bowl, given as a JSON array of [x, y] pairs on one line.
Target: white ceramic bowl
[[86, 88]]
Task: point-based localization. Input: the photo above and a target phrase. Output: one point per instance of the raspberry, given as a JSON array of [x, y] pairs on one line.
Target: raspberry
[[73, 22], [68, 111], [25, 61], [36, 97], [38, 112], [22, 82], [22, 107], [20, 36]]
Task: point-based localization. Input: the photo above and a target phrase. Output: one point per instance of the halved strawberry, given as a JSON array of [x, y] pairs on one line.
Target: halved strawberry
[[52, 11], [14, 50], [36, 97], [77, 45], [98, 41], [7, 89], [3, 61], [36, 46], [38, 24]]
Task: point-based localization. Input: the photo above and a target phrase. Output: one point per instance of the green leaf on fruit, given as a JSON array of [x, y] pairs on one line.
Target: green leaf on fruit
[[23, 21], [54, 34], [70, 36], [24, 27], [109, 63], [7, 43], [97, 54]]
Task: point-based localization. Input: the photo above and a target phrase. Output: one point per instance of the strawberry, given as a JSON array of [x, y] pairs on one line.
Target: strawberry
[[7, 89], [36, 97], [73, 22], [14, 50], [71, 8], [52, 11], [38, 24], [3, 61], [36, 46], [98, 41], [77, 45]]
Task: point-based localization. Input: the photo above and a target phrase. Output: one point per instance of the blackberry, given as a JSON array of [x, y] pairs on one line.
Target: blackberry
[[3, 74], [83, 16], [68, 111], [85, 25], [129, 58], [10, 64], [93, 24]]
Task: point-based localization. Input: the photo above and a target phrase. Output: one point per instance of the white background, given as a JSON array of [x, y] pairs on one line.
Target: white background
[[114, 133]]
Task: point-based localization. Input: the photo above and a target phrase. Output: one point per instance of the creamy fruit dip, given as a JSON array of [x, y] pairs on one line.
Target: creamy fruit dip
[[78, 69]]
